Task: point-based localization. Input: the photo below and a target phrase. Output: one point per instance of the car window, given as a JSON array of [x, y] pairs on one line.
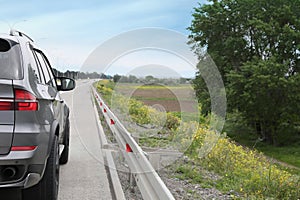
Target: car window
[[49, 69], [36, 69], [39, 67], [10, 60], [48, 79]]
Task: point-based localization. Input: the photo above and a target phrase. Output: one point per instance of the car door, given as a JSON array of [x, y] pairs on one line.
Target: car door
[[55, 98]]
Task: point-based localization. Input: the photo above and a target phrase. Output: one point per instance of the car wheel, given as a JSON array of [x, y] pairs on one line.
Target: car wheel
[[64, 157], [47, 188]]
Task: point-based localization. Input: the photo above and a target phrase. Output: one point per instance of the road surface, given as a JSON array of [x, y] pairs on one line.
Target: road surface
[[84, 177]]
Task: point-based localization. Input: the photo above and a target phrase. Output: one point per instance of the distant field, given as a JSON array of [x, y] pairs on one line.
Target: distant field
[[179, 98]]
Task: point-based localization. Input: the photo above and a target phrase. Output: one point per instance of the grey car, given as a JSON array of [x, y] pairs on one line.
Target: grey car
[[34, 121]]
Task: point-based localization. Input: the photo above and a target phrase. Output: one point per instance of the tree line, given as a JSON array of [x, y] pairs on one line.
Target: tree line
[[81, 75], [149, 80]]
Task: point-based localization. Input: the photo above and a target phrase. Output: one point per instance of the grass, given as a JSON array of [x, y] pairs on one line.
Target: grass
[[154, 142], [187, 116], [187, 172], [243, 135], [243, 170], [141, 98], [151, 87], [287, 154], [247, 171]]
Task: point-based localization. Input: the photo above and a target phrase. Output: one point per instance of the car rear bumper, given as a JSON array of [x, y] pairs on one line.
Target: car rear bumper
[[30, 180], [18, 170]]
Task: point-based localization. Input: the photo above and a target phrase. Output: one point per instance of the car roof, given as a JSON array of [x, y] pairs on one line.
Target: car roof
[[7, 36]]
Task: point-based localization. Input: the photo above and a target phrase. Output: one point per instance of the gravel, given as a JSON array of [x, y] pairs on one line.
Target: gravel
[[185, 189], [181, 189]]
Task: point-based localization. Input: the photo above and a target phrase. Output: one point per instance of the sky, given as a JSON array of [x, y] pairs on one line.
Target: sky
[[70, 31]]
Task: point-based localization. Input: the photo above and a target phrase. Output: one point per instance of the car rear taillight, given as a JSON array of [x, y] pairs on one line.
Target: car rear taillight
[[6, 104], [23, 148], [25, 101]]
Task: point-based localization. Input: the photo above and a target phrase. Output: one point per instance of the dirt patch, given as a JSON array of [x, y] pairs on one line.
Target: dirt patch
[[172, 105], [174, 99], [185, 189]]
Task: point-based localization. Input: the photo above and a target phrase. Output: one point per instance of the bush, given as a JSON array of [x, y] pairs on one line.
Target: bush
[[138, 112], [172, 122], [246, 171]]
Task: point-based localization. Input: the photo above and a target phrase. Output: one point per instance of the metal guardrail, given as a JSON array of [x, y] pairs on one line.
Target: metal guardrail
[[112, 170], [148, 181]]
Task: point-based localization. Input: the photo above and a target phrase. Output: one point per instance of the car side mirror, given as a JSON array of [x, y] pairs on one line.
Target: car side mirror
[[65, 84]]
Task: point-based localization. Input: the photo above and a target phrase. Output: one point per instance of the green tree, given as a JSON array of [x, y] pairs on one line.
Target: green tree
[[263, 92], [116, 78], [256, 46], [132, 79]]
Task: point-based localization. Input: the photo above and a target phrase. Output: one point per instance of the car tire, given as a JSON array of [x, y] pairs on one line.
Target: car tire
[[47, 188], [64, 157]]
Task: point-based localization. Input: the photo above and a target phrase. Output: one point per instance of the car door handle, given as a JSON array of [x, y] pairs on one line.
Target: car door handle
[[59, 100]]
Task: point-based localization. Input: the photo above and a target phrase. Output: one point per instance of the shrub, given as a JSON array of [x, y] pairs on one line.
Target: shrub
[[172, 121], [246, 171], [138, 112]]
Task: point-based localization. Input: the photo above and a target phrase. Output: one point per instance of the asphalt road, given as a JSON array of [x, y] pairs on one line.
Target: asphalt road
[[84, 176]]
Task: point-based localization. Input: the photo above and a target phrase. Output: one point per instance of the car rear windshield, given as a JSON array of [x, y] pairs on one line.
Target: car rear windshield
[[10, 60]]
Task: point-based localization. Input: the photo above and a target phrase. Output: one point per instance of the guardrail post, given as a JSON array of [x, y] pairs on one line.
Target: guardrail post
[[131, 178]]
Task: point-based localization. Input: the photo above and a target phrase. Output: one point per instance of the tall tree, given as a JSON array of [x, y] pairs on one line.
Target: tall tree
[[256, 46]]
